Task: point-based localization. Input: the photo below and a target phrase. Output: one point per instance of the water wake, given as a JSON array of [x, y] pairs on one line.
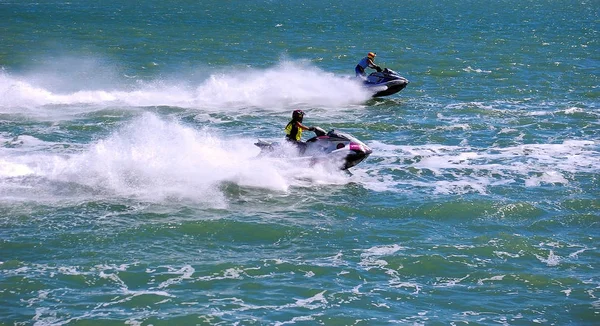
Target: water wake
[[151, 159], [285, 85]]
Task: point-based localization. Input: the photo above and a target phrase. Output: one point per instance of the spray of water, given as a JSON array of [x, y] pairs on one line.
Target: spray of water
[[94, 84], [156, 160]]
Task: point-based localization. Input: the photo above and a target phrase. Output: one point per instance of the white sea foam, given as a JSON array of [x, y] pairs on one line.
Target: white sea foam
[[551, 260], [157, 160], [12, 169], [185, 272], [469, 69], [493, 278], [573, 110], [381, 250], [465, 169], [370, 258], [285, 85], [310, 302]]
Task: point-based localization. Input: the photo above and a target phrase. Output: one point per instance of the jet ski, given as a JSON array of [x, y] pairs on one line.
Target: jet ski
[[385, 82], [332, 146]]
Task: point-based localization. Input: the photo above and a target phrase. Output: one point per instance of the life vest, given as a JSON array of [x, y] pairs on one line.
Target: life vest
[[292, 132]]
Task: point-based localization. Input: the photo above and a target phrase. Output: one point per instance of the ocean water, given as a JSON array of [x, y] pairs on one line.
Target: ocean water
[[131, 192]]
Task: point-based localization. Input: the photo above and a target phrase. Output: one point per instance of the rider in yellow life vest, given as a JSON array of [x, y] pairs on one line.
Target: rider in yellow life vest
[[294, 128]]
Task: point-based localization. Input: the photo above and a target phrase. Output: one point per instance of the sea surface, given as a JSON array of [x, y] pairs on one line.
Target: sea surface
[[131, 192]]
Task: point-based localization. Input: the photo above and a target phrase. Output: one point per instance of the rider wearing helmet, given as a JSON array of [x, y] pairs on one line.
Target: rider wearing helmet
[[368, 61], [294, 128]]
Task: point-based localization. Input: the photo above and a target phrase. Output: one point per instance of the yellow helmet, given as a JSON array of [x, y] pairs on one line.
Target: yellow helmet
[[371, 55]]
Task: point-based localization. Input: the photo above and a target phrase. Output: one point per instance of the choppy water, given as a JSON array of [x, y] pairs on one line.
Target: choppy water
[[130, 191]]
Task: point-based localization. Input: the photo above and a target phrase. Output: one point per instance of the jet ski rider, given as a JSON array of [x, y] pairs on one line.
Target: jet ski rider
[[294, 128], [368, 61]]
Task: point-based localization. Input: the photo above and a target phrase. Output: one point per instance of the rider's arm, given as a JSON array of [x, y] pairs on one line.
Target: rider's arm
[[372, 65], [303, 127]]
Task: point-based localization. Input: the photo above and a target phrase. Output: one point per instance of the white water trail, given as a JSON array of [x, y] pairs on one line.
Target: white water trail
[[151, 159], [91, 85]]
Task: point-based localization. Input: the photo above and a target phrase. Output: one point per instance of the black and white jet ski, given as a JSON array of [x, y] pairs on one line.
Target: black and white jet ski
[[333, 146], [385, 82]]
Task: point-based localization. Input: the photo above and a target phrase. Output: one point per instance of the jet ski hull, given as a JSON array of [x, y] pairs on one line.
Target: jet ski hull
[[385, 83], [353, 159], [389, 88]]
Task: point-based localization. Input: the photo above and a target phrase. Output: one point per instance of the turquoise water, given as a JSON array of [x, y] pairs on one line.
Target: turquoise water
[[130, 190]]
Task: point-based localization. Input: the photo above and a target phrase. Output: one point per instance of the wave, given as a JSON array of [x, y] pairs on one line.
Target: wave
[[464, 169]]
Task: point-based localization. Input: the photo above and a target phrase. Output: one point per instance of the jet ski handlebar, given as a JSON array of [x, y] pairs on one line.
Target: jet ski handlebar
[[319, 131]]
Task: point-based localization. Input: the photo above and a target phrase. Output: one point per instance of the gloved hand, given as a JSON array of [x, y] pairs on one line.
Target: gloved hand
[[311, 129]]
